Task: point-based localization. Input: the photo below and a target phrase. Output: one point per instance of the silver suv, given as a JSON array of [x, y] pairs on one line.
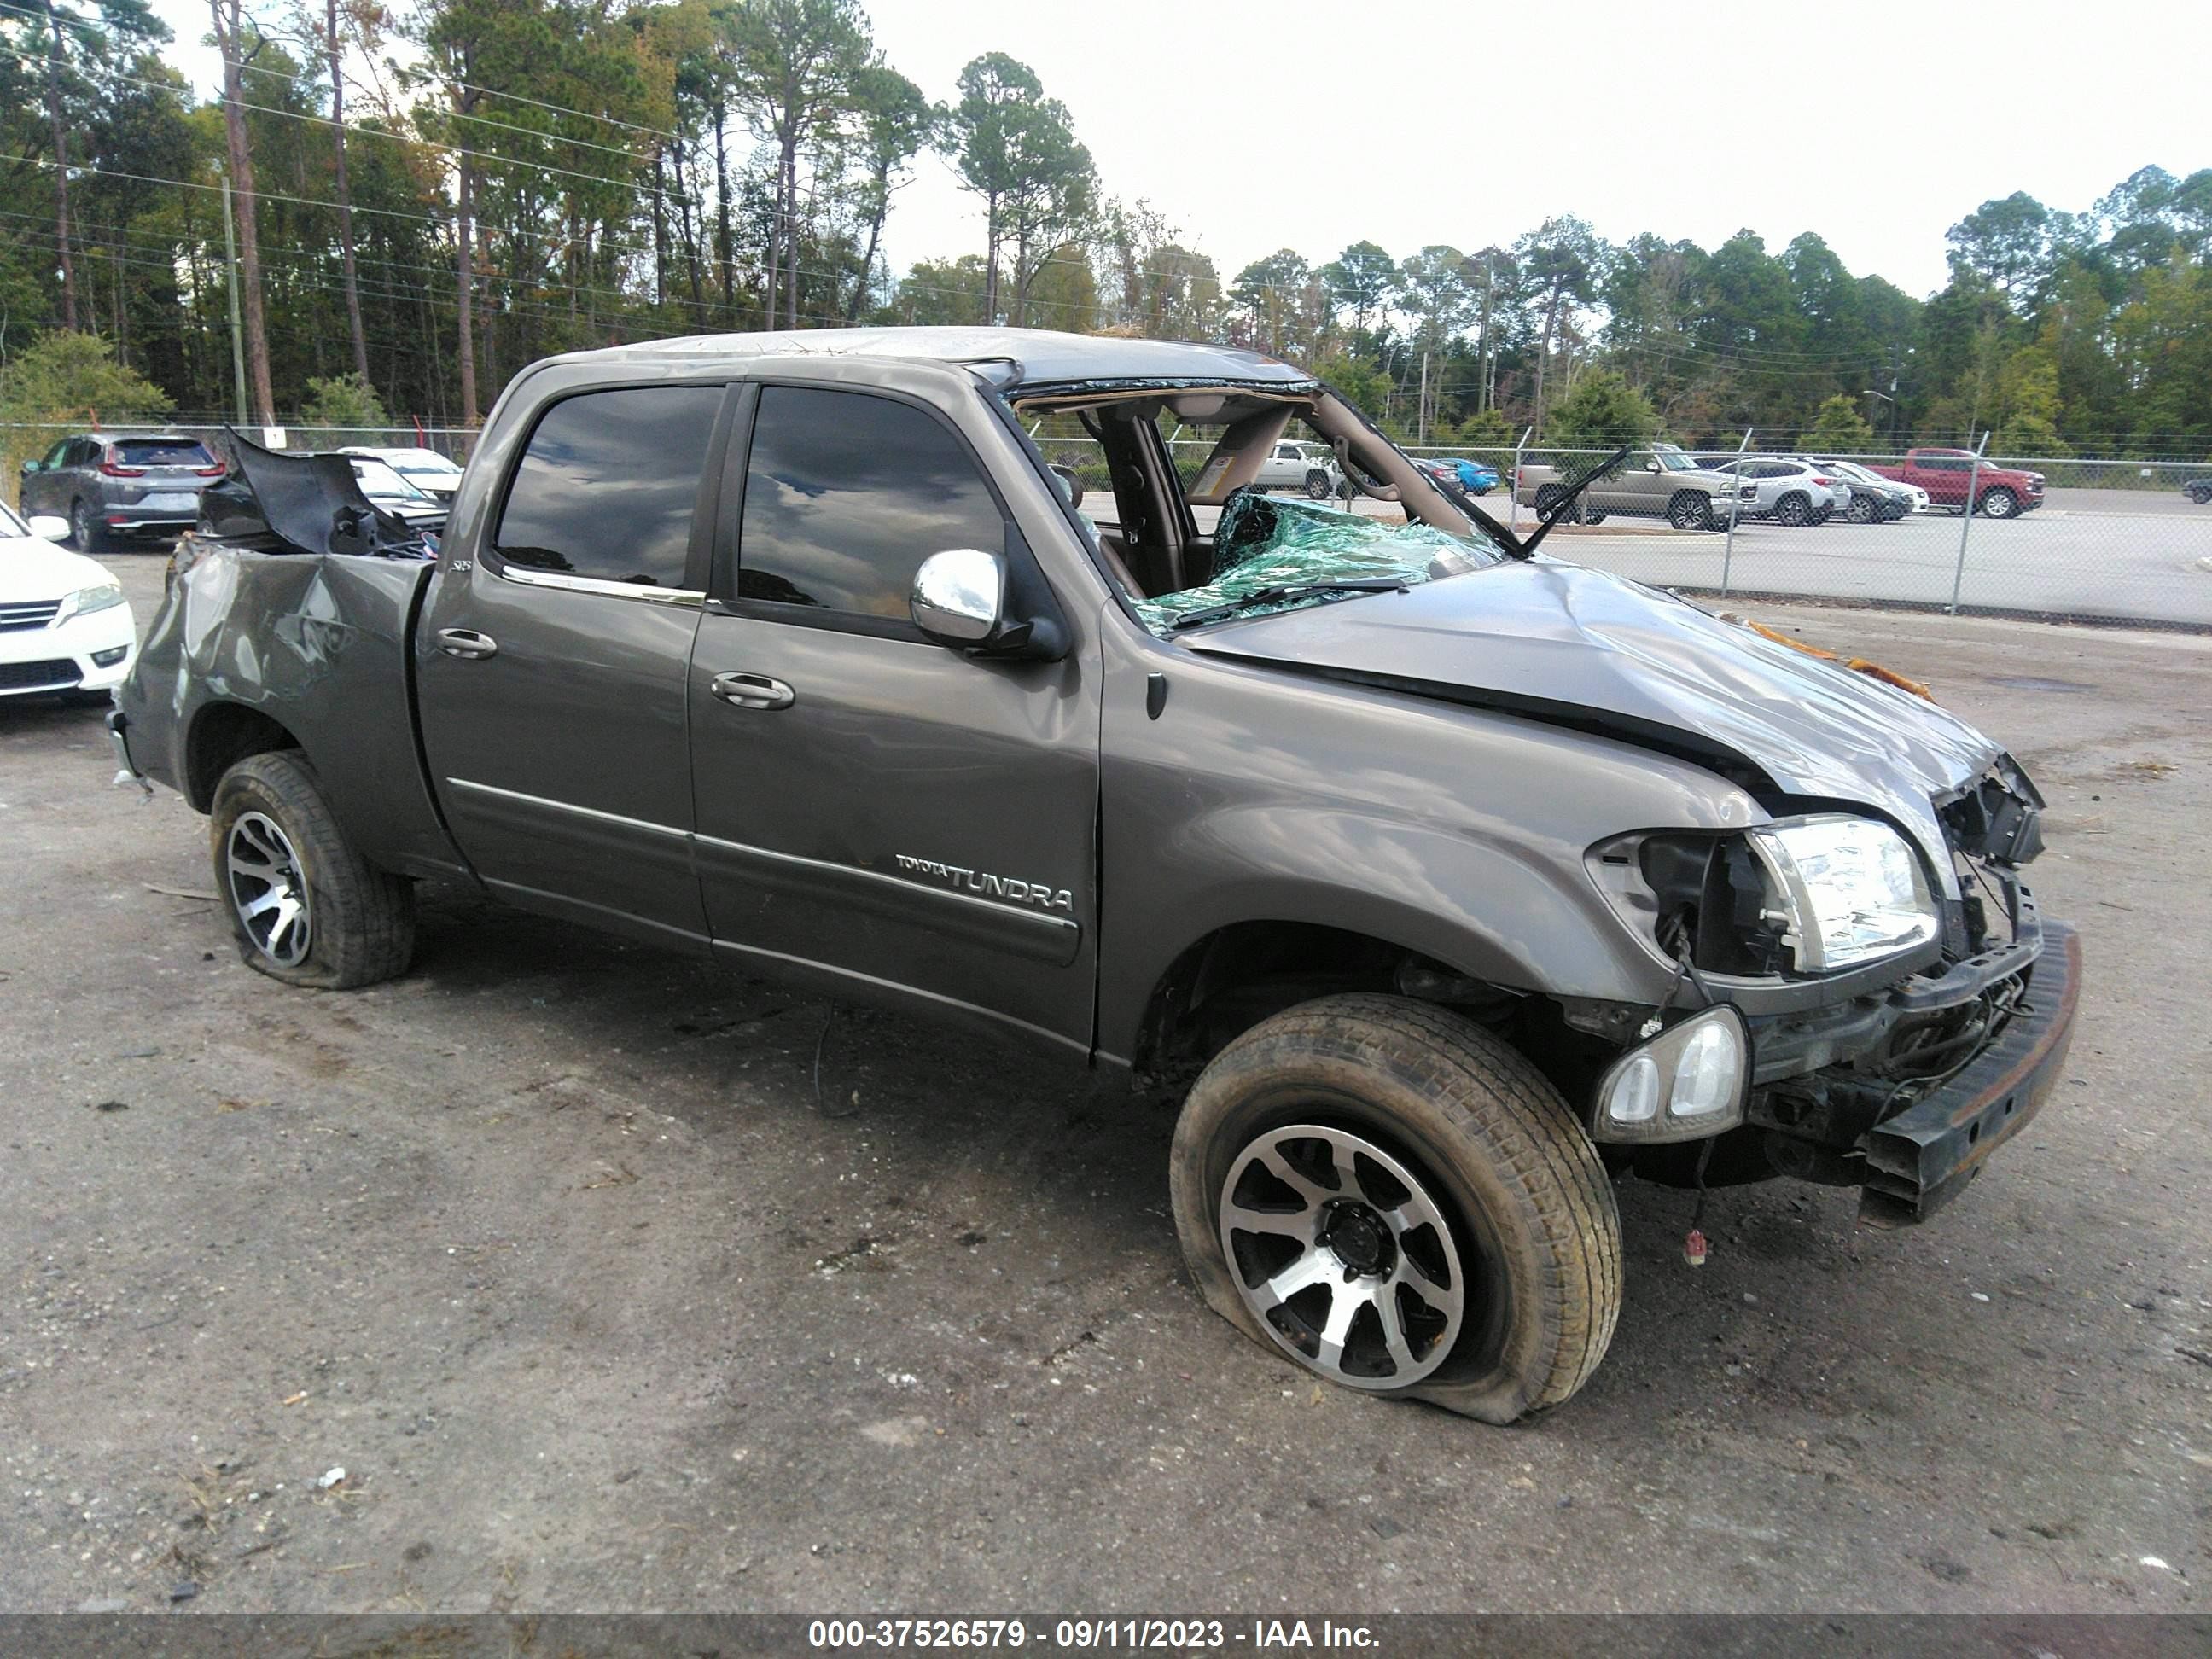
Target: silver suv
[[1663, 482], [116, 483]]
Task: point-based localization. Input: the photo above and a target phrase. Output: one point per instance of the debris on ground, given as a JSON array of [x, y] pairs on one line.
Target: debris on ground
[[334, 1477]]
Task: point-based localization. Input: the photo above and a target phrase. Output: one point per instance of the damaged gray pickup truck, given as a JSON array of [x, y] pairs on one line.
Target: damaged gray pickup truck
[[1460, 880]]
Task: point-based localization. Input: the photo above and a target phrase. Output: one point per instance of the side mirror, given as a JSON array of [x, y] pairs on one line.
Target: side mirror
[[959, 596], [1070, 485], [49, 528], [1651, 465]]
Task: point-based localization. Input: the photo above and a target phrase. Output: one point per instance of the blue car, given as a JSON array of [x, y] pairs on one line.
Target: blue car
[[1475, 477]]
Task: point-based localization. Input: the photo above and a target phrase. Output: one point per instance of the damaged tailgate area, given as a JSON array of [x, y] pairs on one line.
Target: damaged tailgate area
[[287, 621], [273, 502]]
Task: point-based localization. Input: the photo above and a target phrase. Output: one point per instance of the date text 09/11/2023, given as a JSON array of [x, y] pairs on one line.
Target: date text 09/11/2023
[[1107, 1635]]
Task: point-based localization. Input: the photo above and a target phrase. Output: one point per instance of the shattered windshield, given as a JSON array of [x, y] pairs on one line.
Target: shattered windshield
[[1189, 498], [1264, 543]]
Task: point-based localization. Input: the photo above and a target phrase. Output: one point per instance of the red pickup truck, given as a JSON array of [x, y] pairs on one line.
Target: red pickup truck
[[2000, 492]]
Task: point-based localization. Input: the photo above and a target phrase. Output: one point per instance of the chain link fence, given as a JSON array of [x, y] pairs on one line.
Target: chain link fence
[[2109, 539], [2105, 539]]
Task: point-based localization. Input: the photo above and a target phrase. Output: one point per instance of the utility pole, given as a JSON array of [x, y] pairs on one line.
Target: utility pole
[[230, 288]]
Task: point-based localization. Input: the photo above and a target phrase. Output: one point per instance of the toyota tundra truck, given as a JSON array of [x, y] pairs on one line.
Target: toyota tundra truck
[[1449, 881]]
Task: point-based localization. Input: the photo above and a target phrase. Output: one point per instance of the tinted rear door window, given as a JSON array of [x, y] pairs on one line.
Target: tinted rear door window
[[607, 486], [846, 494]]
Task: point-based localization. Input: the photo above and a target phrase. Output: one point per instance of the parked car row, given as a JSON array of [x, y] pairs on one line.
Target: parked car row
[[110, 486], [1701, 492]]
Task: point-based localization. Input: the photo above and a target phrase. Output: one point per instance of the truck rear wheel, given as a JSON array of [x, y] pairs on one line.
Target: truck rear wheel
[[304, 907], [1402, 1204]]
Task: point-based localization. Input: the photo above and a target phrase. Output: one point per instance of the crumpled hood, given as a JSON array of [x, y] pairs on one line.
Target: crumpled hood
[[1556, 640]]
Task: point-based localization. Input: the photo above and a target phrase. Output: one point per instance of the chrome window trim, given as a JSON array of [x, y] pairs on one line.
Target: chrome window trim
[[506, 570]]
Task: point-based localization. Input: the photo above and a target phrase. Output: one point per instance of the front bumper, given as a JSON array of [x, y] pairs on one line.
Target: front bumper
[[89, 654], [1923, 1158]]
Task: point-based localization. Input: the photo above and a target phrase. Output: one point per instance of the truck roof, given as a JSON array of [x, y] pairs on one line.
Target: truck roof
[[1038, 357]]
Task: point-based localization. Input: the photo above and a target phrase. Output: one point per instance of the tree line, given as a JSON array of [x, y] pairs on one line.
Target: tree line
[[401, 205]]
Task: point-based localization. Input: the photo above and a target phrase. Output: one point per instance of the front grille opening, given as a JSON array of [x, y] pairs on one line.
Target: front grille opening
[[55, 674]]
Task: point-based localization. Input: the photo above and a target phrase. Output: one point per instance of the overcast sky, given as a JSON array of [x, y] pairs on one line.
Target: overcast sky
[[1876, 123]]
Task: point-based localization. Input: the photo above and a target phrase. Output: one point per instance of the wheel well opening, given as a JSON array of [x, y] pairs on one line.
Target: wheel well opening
[[223, 735], [1234, 977]]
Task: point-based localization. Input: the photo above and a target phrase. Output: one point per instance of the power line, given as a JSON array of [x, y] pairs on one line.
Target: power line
[[94, 32], [379, 132]]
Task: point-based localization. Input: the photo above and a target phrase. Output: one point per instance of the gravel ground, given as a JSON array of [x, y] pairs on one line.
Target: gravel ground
[[556, 1250]]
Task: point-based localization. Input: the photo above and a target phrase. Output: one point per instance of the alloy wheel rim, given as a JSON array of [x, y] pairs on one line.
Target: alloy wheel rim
[[268, 888], [1343, 1253]]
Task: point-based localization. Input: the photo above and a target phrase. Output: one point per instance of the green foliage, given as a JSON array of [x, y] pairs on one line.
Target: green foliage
[[685, 166], [1601, 410], [1360, 279], [2027, 391], [1488, 429], [67, 379], [1838, 429], [343, 400], [1357, 382]]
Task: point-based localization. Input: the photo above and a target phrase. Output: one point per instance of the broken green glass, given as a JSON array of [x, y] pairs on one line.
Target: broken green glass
[[1271, 541]]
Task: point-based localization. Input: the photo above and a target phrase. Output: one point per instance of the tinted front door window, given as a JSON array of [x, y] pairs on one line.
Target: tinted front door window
[[607, 485], [846, 494]]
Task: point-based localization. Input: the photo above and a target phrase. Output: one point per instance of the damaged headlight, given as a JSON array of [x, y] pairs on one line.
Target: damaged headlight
[[1685, 1084], [1849, 889]]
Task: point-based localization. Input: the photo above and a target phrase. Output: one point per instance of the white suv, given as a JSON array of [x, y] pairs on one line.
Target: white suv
[[1293, 466], [1788, 492]]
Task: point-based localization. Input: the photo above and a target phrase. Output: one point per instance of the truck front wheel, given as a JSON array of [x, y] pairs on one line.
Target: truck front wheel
[[1690, 510], [1402, 1204], [1317, 485], [304, 907], [2000, 503]]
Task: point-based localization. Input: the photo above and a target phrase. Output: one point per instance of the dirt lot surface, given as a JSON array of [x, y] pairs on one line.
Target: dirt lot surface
[[554, 1248]]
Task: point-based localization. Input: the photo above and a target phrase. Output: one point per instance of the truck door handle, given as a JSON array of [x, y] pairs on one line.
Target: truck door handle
[[466, 642], [753, 692]]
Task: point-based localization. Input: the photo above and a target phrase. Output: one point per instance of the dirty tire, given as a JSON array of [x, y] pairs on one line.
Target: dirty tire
[[361, 919], [1317, 486], [1690, 510], [2000, 503], [1531, 1208]]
